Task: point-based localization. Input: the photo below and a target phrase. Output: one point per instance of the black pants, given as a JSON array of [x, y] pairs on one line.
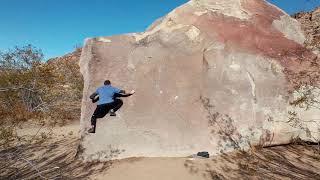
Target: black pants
[[103, 109]]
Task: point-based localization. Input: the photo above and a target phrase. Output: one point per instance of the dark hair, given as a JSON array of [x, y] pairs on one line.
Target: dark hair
[[107, 82]]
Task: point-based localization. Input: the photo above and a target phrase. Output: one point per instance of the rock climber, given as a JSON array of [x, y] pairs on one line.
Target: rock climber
[[108, 101]]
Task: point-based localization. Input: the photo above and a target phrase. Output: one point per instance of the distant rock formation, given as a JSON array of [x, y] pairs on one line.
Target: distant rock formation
[[210, 76], [73, 57]]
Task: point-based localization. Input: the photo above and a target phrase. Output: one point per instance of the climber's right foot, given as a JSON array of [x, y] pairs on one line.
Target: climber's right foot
[[91, 130]]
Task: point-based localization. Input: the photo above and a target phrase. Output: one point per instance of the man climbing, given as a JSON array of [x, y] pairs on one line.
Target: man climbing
[[106, 96]]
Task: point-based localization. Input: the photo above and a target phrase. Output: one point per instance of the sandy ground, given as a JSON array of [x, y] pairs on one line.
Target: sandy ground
[[55, 157], [291, 162], [72, 128], [150, 169]]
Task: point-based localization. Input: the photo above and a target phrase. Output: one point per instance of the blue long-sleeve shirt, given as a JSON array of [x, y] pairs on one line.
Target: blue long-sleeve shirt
[[106, 94]]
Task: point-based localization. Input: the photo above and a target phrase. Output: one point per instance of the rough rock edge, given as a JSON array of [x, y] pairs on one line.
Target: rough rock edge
[[292, 32]]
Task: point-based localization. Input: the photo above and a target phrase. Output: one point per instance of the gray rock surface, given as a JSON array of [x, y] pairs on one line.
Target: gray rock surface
[[209, 76]]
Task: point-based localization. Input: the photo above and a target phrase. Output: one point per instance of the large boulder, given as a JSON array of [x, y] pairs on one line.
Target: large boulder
[[211, 76]]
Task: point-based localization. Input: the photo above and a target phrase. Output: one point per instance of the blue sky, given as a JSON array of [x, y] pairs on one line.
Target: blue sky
[[57, 26]]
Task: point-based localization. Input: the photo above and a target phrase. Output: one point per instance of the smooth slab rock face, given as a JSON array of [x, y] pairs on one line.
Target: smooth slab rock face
[[209, 76]]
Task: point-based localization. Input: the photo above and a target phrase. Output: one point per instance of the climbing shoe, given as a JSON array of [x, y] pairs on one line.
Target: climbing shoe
[[92, 130], [112, 113]]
